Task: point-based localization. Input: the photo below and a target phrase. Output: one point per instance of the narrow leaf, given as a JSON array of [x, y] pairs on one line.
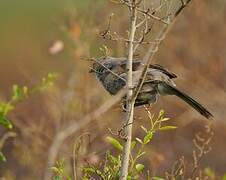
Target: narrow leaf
[[133, 144], [167, 128], [2, 157], [54, 169], [5, 122], [114, 142], [148, 137], [157, 178], [139, 167]]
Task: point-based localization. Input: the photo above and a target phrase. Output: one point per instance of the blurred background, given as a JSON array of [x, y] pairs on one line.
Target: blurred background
[[38, 37]]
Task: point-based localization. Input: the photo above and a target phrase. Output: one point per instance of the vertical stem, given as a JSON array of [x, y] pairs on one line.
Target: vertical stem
[[130, 103]]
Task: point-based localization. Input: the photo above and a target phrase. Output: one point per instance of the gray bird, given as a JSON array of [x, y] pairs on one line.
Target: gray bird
[[111, 72]]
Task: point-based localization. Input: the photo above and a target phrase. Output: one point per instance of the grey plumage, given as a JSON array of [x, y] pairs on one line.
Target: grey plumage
[[111, 72]]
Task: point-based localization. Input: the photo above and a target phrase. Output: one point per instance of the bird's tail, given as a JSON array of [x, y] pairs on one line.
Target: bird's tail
[[197, 106]]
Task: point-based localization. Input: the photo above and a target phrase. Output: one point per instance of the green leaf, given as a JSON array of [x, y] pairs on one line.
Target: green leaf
[[167, 128], [157, 178], [68, 178], [54, 169], [5, 108], [57, 177], [148, 137], [113, 160], [2, 157], [224, 177], [133, 144], [5, 122], [106, 169], [48, 81], [16, 92], [89, 170], [139, 167], [114, 142], [161, 114], [209, 172]]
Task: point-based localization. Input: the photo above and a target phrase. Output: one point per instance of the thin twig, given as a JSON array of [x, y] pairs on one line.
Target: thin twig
[[147, 12], [5, 136]]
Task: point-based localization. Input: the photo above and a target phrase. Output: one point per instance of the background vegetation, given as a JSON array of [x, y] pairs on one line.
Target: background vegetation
[[30, 31]]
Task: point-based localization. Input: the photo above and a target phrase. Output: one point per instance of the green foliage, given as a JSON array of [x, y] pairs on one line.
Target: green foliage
[[59, 171], [5, 122], [111, 168], [210, 173], [157, 178], [114, 142], [224, 177], [2, 157], [139, 167], [47, 81], [5, 108], [18, 94]]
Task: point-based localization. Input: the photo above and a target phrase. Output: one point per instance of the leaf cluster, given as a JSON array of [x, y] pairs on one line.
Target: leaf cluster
[[19, 94], [110, 170]]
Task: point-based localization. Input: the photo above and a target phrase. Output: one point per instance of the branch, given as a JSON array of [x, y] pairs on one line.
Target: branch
[[147, 12], [111, 37], [130, 103], [5, 137]]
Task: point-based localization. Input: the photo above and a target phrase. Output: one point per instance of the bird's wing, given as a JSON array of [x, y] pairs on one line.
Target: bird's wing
[[163, 70], [152, 76], [137, 63], [157, 75]]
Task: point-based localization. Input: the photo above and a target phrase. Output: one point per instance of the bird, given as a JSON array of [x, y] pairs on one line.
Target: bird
[[111, 72]]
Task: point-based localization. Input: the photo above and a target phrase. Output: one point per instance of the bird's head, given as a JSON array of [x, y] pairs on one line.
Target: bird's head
[[95, 68], [101, 64]]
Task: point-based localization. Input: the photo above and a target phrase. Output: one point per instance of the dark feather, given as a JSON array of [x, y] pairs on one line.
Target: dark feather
[[193, 103]]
